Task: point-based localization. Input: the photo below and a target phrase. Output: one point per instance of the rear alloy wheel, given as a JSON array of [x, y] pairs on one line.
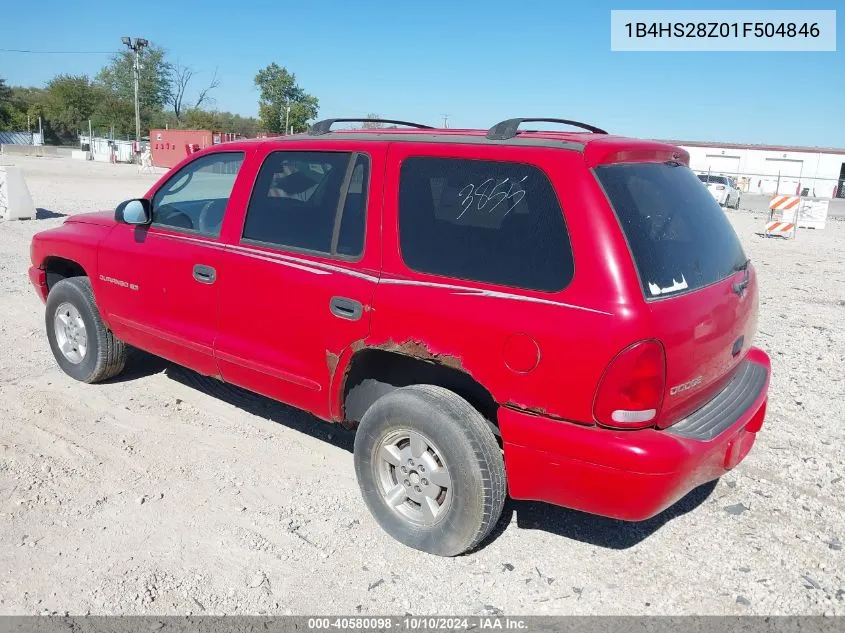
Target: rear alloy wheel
[[412, 476], [430, 469], [82, 345]]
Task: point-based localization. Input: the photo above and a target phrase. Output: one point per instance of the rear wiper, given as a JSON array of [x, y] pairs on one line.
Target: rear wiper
[[743, 265]]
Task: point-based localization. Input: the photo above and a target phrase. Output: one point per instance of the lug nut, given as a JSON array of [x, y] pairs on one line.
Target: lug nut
[[407, 483], [424, 482], [410, 462], [417, 488], [421, 468], [403, 469]]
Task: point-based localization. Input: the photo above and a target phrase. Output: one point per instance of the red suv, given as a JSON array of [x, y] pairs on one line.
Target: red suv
[[562, 316]]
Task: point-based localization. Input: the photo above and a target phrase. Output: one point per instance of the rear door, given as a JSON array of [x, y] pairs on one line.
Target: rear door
[[301, 274], [162, 280], [700, 290]]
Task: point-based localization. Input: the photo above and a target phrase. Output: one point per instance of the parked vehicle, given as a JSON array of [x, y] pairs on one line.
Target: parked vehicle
[[723, 188], [562, 316]]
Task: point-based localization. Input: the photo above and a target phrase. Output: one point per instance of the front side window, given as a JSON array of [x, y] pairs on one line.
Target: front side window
[[491, 221], [195, 198], [310, 201]]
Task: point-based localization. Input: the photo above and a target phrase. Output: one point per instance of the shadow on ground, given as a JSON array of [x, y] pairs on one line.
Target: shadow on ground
[[46, 214], [530, 515], [141, 364], [266, 408], [592, 529]]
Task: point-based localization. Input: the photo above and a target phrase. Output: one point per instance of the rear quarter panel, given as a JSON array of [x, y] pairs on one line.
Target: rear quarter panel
[[573, 334], [697, 330]]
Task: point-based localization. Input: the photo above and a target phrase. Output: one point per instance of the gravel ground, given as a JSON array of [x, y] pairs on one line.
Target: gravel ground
[[162, 494]]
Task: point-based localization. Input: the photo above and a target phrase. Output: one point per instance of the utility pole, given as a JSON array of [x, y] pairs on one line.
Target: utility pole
[[136, 46], [445, 120], [287, 117]]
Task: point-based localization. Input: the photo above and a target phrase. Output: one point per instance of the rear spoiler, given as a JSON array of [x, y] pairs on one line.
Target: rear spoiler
[[620, 150]]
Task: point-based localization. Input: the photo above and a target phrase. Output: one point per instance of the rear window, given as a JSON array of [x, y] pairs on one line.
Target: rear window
[[679, 237], [721, 180], [482, 220]]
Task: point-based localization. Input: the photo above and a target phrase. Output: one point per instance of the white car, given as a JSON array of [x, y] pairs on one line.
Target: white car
[[723, 189]]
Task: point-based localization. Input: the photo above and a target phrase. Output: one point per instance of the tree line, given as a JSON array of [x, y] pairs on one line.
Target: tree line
[[170, 95]]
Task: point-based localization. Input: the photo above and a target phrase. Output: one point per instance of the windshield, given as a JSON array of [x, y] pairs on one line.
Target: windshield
[[679, 237]]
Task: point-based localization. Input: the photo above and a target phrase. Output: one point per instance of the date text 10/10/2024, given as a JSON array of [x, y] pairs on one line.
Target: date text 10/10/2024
[[418, 623]]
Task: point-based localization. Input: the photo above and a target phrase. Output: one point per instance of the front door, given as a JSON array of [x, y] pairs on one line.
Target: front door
[[300, 278], [161, 282]]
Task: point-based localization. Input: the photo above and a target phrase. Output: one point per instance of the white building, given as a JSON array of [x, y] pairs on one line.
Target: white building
[[769, 169]]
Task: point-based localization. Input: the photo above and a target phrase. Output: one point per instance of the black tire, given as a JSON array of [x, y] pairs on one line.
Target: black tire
[[469, 450], [106, 355]]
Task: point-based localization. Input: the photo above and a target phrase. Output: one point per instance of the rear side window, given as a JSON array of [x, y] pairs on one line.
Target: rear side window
[[679, 237], [310, 201], [490, 221]]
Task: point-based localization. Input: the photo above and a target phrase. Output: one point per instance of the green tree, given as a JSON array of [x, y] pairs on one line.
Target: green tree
[[70, 102], [278, 91], [5, 105], [24, 106], [197, 119], [245, 126], [113, 113], [154, 86]]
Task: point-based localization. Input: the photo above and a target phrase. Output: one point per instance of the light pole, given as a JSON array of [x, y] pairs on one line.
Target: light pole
[[136, 47], [287, 117]]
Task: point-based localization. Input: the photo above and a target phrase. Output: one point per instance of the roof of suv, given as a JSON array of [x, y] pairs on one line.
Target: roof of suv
[[602, 145]]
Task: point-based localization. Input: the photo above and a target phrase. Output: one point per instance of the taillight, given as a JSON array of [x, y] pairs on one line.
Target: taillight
[[631, 391]]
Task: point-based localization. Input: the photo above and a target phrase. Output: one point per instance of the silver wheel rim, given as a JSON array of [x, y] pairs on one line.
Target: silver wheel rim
[[413, 477], [71, 336]]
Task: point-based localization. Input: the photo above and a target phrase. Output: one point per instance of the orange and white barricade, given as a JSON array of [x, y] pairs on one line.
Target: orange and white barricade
[[783, 210], [784, 204], [779, 228]]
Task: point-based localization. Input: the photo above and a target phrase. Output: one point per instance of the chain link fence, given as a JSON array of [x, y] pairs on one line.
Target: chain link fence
[[780, 184]]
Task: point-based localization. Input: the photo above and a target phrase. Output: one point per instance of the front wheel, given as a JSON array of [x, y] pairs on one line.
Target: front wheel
[[430, 469], [82, 345]]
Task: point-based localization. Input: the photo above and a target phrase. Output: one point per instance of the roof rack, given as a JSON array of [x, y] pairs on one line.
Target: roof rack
[[510, 127], [324, 126]]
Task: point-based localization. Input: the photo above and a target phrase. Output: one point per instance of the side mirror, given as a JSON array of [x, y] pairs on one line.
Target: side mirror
[[137, 212]]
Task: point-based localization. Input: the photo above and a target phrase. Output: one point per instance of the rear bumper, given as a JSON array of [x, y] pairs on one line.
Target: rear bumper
[[38, 277], [630, 475]]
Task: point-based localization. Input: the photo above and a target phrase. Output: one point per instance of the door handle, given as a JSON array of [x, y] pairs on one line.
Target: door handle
[[346, 308], [204, 274]]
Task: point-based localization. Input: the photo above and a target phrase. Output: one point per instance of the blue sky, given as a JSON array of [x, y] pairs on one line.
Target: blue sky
[[480, 62]]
